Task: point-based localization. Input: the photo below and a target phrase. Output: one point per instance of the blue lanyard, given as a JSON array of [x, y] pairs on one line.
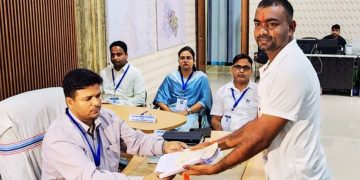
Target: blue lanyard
[[238, 100], [97, 155], [113, 77], [182, 80]]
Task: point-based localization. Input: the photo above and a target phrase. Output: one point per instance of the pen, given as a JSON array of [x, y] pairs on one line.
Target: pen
[[144, 112]]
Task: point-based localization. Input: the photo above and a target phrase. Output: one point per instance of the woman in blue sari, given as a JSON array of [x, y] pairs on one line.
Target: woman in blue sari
[[186, 91]]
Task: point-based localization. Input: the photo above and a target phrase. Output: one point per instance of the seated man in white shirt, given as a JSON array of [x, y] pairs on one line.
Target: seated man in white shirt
[[84, 143], [123, 83], [235, 103]]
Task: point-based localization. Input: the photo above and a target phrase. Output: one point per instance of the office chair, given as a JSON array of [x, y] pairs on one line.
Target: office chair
[[24, 119]]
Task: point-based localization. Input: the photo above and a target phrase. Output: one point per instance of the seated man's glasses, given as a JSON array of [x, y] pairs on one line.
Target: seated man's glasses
[[185, 58], [241, 68]]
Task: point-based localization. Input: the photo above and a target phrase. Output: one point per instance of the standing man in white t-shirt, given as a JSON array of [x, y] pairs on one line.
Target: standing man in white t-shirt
[[236, 102], [123, 83], [287, 129]]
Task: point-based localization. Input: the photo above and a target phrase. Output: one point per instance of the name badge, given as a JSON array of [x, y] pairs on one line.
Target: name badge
[[227, 122], [142, 118], [181, 104], [114, 100]]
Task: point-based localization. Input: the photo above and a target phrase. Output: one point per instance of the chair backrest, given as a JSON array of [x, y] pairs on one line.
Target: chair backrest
[[24, 119]]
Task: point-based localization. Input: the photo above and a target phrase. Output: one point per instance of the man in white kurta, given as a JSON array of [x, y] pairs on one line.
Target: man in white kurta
[[287, 129], [289, 88]]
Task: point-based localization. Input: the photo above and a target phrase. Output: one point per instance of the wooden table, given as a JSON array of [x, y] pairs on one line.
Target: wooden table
[[164, 120], [251, 170]]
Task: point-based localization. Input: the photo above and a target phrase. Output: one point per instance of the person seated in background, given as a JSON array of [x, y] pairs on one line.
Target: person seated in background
[[123, 83], [84, 142], [335, 34], [235, 103], [185, 91]]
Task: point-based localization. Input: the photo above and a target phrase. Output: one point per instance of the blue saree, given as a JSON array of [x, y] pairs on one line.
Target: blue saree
[[197, 90]]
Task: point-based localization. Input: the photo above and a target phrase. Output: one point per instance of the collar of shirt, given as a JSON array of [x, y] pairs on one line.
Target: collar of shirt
[[85, 126], [122, 69], [279, 57], [250, 85]]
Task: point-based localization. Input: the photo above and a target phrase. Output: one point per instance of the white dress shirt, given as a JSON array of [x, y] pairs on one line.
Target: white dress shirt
[[131, 90], [67, 155], [245, 111]]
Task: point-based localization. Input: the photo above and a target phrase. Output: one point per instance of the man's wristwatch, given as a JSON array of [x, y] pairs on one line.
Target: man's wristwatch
[[188, 110]]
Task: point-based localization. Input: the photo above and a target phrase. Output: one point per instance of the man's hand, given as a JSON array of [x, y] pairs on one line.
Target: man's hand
[[202, 145], [201, 169], [174, 146], [155, 176]]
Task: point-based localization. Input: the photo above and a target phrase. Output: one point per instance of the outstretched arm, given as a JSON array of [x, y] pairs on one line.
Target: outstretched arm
[[249, 140]]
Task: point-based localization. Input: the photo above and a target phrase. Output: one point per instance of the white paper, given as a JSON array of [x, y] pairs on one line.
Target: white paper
[[170, 164], [135, 178]]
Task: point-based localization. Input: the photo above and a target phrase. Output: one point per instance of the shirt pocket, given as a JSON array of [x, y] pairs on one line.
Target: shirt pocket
[[251, 108], [113, 152]]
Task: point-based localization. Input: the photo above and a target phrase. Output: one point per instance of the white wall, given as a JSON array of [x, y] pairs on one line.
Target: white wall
[[156, 66], [315, 18]]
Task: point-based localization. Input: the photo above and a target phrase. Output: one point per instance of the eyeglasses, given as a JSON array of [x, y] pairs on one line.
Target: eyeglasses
[[185, 58], [241, 68]]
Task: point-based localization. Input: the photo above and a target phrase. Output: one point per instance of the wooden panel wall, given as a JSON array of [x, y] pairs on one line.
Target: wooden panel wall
[[37, 44]]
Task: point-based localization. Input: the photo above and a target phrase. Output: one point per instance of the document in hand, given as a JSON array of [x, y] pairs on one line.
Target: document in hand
[[170, 164]]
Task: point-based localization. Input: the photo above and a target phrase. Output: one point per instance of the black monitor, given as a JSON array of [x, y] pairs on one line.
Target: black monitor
[[328, 46], [307, 45], [261, 57]]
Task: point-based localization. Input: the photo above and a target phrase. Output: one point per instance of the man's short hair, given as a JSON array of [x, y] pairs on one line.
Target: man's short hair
[[242, 56], [335, 26], [284, 3], [120, 44], [79, 79]]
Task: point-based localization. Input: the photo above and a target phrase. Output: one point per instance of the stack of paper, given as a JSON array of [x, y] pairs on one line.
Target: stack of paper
[[173, 163]]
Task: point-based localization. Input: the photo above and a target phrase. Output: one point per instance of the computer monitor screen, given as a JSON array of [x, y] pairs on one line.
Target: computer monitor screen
[[307, 45], [328, 46], [356, 47], [261, 57]]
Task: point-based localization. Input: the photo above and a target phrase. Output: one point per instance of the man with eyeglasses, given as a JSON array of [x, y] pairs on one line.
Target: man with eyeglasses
[[235, 103]]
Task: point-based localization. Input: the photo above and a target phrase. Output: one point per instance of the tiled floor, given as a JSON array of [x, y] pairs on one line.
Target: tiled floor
[[340, 130]]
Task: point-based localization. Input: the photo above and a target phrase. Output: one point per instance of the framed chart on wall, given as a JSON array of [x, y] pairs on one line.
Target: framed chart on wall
[[134, 23], [170, 23]]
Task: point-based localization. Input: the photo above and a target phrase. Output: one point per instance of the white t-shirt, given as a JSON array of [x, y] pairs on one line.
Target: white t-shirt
[[245, 111], [131, 90], [289, 88]]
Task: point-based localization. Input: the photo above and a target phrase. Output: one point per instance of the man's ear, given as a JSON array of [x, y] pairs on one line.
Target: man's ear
[[292, 26], [69, 101]]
